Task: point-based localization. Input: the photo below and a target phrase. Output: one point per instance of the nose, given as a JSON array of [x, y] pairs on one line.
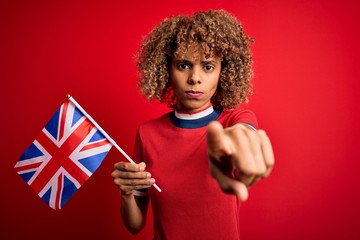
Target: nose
[[194, 77]]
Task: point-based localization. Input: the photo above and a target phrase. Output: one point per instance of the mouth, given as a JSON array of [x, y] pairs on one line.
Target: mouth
[[194, 94]]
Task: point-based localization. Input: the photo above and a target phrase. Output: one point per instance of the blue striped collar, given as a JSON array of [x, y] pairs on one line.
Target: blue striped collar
[[197, 120]]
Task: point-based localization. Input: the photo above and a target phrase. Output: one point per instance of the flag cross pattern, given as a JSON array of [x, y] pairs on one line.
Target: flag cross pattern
[[68, 150]]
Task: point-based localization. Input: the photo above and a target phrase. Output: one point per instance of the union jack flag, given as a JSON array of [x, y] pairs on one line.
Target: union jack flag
[[64, 155]]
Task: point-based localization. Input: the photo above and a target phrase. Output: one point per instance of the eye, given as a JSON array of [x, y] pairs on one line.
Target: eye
[[183, 66], [209, 68]]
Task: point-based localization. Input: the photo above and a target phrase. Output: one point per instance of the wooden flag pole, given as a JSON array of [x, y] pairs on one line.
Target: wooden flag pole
[[68, 96]]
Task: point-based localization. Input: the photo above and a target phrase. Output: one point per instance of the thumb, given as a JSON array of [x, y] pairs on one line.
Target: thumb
[[142, 166], [240, 190]]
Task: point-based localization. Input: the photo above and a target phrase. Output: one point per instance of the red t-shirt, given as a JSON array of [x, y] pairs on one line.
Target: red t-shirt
[[191, 204]]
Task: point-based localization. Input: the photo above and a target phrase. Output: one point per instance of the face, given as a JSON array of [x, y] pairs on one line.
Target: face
[[194, 79]]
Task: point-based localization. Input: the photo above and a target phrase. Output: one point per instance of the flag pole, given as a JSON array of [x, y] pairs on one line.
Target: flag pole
[[68, 96]]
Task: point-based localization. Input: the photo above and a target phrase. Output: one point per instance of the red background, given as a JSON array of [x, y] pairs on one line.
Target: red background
[[306, 97]]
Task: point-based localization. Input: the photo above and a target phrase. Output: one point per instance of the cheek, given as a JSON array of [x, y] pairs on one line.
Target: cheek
[[215, 82], [213, 90], [177, 80]]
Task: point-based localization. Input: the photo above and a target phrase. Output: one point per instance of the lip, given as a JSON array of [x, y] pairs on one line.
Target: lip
[[194, 94]]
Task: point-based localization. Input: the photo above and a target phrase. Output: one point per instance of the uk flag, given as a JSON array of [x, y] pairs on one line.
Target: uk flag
[[64, 155]]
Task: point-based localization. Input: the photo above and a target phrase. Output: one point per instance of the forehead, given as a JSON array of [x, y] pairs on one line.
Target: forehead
[[193, 51]]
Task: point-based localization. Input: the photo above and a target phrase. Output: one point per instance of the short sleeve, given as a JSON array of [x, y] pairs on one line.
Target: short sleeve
[[239, 115]]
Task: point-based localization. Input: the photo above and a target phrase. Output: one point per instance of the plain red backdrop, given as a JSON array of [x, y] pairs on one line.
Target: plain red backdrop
[[306, 97]]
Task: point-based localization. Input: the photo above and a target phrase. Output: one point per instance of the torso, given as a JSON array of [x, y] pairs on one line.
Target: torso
[[191, 203]]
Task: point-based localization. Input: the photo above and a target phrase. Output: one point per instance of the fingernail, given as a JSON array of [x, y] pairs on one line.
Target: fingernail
[[152, 181], [148, 175], [142, 167]]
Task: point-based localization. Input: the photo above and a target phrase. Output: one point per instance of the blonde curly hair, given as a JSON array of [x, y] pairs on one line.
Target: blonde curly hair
[[218, 33]]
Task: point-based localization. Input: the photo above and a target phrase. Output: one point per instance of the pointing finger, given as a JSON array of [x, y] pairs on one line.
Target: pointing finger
[[214, 134], [216, 140]]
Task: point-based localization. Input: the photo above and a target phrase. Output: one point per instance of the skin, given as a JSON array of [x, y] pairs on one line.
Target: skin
[[237, 149], [194, 80]]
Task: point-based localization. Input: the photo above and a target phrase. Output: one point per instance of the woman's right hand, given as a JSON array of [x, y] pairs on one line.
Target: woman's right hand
[[129, 177]]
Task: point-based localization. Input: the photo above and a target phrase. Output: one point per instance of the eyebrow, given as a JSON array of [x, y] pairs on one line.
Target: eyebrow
[[212, 61]]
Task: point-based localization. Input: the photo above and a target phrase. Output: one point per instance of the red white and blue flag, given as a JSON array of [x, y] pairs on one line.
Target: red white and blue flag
[[64, 155]]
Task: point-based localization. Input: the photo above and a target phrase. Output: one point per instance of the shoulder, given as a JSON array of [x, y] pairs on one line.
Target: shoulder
[[155, 123], [238, 115]]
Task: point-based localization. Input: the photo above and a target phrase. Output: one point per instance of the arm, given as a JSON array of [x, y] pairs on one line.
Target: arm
[[130, 177], [238, 157]]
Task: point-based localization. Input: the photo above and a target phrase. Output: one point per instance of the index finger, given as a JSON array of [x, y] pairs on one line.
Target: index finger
[[214, 133], [216, 139]]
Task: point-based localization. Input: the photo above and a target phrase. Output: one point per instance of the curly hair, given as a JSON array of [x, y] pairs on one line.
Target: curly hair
[[218, 33]]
